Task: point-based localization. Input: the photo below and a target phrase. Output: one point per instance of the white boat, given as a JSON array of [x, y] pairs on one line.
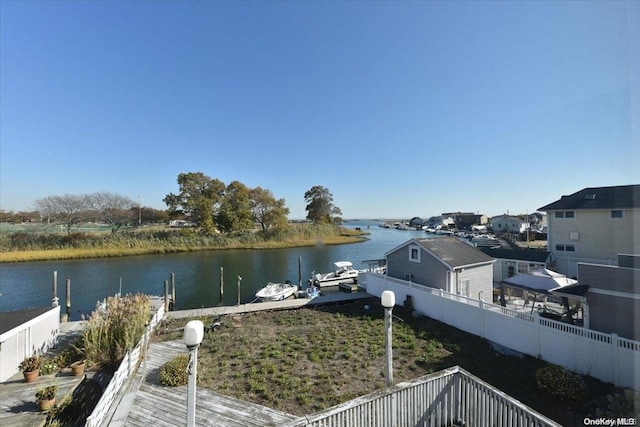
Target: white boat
[[277, 291], [485, 241], [344, 273]]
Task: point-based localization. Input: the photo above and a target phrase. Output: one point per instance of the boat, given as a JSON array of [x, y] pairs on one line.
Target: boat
[[344, 273], [277, 291], [485, 241]]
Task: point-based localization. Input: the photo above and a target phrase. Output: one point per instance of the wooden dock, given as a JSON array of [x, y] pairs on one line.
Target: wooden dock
[[291, 303]]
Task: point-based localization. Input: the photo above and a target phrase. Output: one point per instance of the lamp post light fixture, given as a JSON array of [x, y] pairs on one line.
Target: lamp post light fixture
[[193, 334], [388, 302]]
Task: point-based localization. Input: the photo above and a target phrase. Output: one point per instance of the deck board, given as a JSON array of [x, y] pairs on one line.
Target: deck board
[[162, 406]]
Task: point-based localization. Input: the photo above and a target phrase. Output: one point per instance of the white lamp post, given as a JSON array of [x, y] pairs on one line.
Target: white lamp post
[[193, 334], [388, 301]]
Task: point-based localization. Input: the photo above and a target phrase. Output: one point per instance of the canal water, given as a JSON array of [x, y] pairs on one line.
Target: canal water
[[197, 274]]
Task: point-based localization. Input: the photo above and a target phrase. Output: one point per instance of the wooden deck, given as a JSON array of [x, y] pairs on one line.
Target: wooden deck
[[290, 303], [156, 405]]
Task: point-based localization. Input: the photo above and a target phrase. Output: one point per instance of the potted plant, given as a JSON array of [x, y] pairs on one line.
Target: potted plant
[[77, 368], [46, 397], [30, 368]]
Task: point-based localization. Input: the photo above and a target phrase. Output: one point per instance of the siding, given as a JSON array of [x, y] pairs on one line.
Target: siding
[[429, 272]]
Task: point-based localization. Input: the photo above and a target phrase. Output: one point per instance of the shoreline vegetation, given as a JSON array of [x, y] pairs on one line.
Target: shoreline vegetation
[[35, 246]]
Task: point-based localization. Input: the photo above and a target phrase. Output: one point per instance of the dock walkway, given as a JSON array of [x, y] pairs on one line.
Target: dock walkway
[[291, 303]]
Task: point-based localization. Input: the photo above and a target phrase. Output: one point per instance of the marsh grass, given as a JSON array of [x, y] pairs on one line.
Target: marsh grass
[[305, 360], [23, 247]]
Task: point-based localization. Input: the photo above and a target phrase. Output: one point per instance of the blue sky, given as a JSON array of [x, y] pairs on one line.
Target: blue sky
[[400, 109]]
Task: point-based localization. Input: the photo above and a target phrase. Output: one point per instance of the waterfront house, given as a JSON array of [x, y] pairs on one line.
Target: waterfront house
[[593, 225], [464, 220], [445, 263], [509, 224]]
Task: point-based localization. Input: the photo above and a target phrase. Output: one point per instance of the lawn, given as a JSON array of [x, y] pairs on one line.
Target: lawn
[[305, 360]]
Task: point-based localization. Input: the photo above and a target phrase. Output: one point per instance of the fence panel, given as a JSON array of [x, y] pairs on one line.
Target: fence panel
[[603, 356]]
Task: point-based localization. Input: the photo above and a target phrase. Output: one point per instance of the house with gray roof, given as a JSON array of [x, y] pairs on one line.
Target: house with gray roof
[[445, 263], [593, 225]]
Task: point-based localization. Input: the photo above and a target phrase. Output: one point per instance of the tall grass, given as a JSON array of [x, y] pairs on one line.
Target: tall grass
[[114, 328], [22, 246]]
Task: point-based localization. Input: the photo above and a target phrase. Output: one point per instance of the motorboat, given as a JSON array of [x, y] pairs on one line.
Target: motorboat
[[344, 273], [277, 291]]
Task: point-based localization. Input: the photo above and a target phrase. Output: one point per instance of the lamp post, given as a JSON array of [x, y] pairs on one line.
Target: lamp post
[[193, 333], [388, 301]]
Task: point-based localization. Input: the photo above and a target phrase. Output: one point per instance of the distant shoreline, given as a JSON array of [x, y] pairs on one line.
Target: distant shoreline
[[74, 253]]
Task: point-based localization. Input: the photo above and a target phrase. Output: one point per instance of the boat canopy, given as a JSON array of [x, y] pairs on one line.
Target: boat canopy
[[540, 281], [343, 264]]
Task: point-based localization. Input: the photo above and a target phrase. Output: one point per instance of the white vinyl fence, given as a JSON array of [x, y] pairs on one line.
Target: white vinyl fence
[[452, 397], [127, 367], [606, 357]]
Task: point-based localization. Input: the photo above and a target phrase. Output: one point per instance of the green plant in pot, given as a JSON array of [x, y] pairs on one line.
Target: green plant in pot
[[30, 368], [46, 397], [77, 368]]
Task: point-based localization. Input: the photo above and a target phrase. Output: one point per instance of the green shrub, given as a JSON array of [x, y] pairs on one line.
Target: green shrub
[[561, 383], [623, 404], [174, 372]]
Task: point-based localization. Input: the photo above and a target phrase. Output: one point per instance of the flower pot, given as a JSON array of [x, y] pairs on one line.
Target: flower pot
[[31, 376], [78, 369], [45, 405]]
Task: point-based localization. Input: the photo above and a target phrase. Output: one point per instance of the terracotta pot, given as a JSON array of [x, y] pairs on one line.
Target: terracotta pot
[[78, 369], [31, 376], [45, 405]]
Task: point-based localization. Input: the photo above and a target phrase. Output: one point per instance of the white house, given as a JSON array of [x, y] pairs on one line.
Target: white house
[[509, 224], [593, 225]]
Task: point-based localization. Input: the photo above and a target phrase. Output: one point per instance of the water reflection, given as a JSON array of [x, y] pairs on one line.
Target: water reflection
[[197, 274]]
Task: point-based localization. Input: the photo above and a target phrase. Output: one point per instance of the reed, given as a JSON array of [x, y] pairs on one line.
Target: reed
[[114, 328], [20, 247]]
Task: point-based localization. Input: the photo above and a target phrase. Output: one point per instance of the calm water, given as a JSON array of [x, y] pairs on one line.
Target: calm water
[[197, 274]]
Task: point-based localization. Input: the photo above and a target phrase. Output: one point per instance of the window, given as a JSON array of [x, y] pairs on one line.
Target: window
[[617, 213], [565, 248], [414, 253], [565, 214]]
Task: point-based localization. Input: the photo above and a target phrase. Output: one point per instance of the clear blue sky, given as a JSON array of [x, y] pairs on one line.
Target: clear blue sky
[[400, 109]]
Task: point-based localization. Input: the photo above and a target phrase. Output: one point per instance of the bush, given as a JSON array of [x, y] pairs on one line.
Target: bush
[[114, 328], [561, 383], [174, 372]]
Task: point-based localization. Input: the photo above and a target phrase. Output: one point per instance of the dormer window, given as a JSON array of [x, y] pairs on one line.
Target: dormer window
[[414, 253]]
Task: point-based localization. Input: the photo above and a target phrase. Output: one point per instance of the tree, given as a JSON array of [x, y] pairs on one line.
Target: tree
[[66, 208], [235, 210], [112, 209], [320, 208], [199, 199], [266, 210]]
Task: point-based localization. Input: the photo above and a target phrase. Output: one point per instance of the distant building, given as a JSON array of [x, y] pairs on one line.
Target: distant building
[[416, 222], [509, 224], [464, 220], [510, 262]]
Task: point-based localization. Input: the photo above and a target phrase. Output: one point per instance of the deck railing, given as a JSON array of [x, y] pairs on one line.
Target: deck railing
[[452, 397], [126, 368]]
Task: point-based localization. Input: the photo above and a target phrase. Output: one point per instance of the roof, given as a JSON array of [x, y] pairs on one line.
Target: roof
[[453, 252], [619, 197], [542, 280], [517, 254], [12, 319]]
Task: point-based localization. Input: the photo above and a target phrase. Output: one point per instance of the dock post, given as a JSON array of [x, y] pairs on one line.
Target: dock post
[[54, 301], [166, 295], [221, 285], [299, 272], [68, 303], [239, 280], [173, 291]]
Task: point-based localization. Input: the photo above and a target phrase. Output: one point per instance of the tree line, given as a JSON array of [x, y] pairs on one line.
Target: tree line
[[208, 203]]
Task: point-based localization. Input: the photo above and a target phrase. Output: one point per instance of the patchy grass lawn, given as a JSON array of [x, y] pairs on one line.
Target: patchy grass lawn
[[305, 360]]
